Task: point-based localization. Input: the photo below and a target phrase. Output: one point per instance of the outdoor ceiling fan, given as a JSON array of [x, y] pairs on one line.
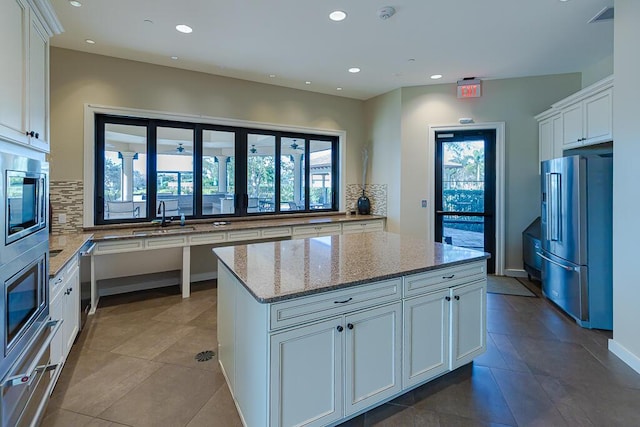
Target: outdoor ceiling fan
[[253, 149], [180, 149]]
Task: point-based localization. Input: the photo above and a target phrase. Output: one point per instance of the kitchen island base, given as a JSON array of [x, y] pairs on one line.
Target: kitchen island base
[[321, 359]]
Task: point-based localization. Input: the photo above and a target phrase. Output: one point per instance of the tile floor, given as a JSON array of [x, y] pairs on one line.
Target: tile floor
[[134, 365]]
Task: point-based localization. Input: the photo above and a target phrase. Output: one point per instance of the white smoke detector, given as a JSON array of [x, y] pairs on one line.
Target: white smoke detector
[[386, 12]]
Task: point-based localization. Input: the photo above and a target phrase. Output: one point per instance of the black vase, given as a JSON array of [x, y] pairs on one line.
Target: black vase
[[364, 206]]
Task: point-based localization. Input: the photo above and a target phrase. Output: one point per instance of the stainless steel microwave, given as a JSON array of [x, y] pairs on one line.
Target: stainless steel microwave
[[24, 212]]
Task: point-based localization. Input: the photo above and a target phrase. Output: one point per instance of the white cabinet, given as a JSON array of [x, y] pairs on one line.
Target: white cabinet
[[468, 322], [25, 28], [443, 329], [426, 337], [303, 396], [316, 230], [550, 135], [306, 369], [64, 290], [362, 226], [589, 121]]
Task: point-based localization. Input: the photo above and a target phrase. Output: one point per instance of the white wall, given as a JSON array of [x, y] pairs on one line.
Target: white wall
[[626, 176], [383, 117], [597, 71], [514, 101]]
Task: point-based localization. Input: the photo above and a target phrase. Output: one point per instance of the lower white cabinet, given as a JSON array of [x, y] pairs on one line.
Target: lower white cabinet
[[323, 369], [426, 337], [468, 322], [65, 305], [316, 354]]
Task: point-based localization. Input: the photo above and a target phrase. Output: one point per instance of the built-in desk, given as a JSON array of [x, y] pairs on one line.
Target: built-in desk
[[117, 240]]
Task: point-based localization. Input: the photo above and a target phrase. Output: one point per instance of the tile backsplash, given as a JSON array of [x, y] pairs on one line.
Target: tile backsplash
[[66, 198], [377, 194]]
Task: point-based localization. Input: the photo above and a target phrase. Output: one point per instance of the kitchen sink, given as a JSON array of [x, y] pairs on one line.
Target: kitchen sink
[[164, 230], [54, 253]]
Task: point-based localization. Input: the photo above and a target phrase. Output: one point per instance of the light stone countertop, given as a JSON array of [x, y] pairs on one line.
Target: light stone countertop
[[69, 244], [144, 230], [274, 271]]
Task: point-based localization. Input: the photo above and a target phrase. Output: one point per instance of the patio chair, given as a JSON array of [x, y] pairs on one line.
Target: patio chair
[[171, 207], [119, 210]]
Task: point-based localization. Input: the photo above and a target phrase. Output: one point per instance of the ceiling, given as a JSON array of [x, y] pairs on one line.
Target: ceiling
[[291, 42]]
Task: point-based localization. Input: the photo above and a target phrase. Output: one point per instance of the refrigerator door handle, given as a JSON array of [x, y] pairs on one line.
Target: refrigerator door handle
[[566, 267], [553, 206]]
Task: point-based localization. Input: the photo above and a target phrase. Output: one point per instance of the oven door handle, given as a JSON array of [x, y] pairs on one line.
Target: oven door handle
[[33, 369]]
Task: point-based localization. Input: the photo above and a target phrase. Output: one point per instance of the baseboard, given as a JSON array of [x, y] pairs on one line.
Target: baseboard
[[201, 277], [515, 272], [625, 355]]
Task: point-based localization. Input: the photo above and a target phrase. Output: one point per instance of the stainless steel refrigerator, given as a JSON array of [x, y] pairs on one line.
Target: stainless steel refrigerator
[[576, 248]]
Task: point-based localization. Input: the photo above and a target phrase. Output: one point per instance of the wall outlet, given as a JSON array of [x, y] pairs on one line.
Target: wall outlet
[[424, 203], [62, 218]]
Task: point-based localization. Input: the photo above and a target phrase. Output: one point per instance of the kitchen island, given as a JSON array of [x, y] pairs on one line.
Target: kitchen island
[[315, 331]]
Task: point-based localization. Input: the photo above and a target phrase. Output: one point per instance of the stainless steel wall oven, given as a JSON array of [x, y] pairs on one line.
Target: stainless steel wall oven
[[25, 329]]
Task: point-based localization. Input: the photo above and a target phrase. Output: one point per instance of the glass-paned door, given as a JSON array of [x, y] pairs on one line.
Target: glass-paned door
[[465, 190], [218, 172], [124, 173], [292, 181], [261, 168], [174, 177]]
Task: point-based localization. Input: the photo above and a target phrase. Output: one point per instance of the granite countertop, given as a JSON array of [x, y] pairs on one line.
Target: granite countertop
[[274, 271], [68, 244], [136, 231]]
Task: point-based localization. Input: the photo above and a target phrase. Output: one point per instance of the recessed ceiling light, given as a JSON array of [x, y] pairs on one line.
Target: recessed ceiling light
[[307, 82], [90, 41], [354, 70], [75, 3], [338, 88], [436, 76], [175, 58], [184, 28], [337, 15], [273, 76]]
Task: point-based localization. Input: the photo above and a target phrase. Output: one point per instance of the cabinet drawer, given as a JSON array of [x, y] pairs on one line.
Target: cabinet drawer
[[204, 239], [301, 310], [317, 230], [166, 242], [57, 282], [118, 246], [235, 236], [361, 227], [443, 278], [276, 232]]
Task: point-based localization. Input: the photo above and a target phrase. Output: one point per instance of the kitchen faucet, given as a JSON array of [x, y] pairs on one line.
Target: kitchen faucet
[[162, 208]]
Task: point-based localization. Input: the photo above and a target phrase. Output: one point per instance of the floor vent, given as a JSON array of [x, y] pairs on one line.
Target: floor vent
[[203, 356], [605, 14]]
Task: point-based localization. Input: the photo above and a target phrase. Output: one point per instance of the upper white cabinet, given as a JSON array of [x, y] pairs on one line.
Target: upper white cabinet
[[25, 29], [584, 118]]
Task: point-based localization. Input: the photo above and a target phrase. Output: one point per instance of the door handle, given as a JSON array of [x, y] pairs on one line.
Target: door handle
[[566, 267]]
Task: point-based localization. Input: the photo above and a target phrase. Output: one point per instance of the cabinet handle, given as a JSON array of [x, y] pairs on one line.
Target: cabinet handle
[[37, 135], [69, 290], [457, 297], [350, 325], [448, 277], [340, 328], [447, 298], [343, 302]]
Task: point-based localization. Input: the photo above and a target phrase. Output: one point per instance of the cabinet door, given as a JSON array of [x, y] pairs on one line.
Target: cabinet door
[[545, 140], [557, 136], [468, 322], [56, 311], [38, 88], [372, 356], [572, 126], [71, 309], [426, 337], [306, 375], [14, 30], [598, 117]]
